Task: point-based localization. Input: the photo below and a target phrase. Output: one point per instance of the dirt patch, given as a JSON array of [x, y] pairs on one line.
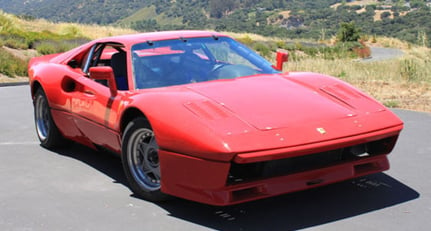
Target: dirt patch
[[361, 3], [286, 14], [378, 15], [17, 79], [21, 54]]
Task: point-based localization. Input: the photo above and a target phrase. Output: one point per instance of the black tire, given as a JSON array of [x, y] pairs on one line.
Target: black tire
[[46, 130], [141, 162]]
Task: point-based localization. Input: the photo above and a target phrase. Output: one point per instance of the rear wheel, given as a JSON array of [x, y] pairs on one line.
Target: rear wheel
[[141, 161], [47, 132]]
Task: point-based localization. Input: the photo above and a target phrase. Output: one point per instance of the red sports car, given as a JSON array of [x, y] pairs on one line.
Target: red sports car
[[197, 115]]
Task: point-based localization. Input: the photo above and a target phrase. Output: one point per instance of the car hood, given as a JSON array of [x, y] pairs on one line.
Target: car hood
[[273, 102], [219, 119]]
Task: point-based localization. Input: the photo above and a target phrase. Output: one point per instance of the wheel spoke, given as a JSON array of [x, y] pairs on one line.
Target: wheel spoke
[[144, 159], [47, 132]]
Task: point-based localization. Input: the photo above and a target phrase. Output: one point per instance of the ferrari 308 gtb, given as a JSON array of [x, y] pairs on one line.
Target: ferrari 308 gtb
[[197, 115]]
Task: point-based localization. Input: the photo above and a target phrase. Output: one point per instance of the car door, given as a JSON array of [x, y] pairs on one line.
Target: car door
[[94, 107]]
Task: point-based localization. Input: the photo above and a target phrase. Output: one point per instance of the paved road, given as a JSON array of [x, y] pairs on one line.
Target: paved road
[[80, 189], [380, 54]]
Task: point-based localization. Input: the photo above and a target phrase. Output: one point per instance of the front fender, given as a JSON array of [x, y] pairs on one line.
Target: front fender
[[177, 128]]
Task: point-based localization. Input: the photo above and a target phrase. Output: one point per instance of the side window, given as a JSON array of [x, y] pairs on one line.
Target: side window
[[79, 60], [91, 58], [108, 54], [84, 60]]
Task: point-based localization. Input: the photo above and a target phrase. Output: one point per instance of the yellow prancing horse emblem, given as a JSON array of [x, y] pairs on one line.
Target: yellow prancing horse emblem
[[321, 130]]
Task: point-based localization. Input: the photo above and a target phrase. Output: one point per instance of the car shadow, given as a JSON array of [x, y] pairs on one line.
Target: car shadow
[[288, 212], [103, 161], [301, 209]]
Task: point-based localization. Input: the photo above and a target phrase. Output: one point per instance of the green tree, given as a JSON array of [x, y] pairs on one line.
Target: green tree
[[348, 32], [385, 15], [219, 8], [145, 25]]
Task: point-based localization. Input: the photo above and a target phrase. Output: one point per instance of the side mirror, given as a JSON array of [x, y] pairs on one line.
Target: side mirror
[[282, 57], [104, 73]]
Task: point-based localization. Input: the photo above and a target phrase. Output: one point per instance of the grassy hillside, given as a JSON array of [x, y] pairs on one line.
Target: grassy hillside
[[81, 11], [21, 39], [149, 13], [304, 19], [402, 82]]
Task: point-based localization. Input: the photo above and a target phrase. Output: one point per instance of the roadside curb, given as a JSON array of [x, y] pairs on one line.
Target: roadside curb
[[13, 84]]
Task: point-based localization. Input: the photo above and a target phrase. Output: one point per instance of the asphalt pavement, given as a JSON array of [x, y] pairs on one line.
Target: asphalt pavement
[[81, 189], [383, 53]]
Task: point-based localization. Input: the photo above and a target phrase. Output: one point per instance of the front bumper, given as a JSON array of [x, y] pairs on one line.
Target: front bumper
[[205, 181], [253, 176]]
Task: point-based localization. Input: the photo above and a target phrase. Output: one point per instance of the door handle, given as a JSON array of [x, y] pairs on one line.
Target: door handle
[[89, 93]]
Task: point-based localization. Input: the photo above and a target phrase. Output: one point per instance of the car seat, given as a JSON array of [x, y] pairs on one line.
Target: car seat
[[119, 65]]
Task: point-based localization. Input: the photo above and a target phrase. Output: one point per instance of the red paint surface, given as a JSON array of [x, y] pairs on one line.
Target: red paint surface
[[202, 128]]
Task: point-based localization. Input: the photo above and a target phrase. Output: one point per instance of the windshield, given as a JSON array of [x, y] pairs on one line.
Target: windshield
[[175, 62]]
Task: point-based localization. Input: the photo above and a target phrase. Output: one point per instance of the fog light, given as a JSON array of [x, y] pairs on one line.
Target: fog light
[[359, 150]]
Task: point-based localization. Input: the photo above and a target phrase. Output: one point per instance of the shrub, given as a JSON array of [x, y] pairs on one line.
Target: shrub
[[52, 46], [246, 40], [281, 44], [13, 41], [391, 104], [6, 25], [71, 31], [263, 49], [46, 47], [11, 65], [363, 51], [409, 70]]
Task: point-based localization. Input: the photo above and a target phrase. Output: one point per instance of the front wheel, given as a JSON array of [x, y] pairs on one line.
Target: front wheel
[[47, 132], [141, 161]]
